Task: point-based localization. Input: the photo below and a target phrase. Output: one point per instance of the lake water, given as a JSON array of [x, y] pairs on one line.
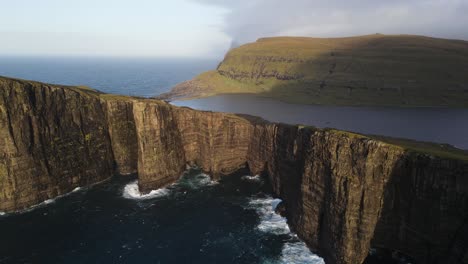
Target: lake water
[[440, 125]]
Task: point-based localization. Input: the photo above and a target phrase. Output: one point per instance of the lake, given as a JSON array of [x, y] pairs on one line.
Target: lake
[[442, 125]]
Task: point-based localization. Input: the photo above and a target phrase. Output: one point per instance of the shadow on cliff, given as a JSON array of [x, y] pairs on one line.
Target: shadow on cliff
[[374, 71], [424, 214]]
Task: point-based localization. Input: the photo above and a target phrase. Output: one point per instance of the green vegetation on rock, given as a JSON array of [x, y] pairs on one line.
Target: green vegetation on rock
[[383, 70]]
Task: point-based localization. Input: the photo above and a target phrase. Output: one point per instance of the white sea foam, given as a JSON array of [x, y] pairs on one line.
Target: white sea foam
[[202, 180], [294, 251], [44, 203], [2, 213], [269, 220], [131, 191], [298, 252], [49, 201], [255, 178]]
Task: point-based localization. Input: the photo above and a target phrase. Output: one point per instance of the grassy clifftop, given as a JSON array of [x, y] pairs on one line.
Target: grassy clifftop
[[400, 70]]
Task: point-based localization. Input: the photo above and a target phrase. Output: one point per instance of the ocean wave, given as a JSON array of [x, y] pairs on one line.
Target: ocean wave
[[41, 204], [298, 252], [131, 191], [202, 180], [49, 201], [255, 178], [269, 220], [194, 181], [294, 251]]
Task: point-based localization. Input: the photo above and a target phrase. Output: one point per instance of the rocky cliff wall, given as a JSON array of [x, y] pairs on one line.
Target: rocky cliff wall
[[52, 140], [425, 210], [344, 193], [216, 142], [122, 132]]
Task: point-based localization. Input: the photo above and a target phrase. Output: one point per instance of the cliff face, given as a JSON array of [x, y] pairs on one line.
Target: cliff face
[[399, 70], [332, 185], [216, 142], [52, 140], [122, 132], [425, 210], [160, 154], [343, 192]]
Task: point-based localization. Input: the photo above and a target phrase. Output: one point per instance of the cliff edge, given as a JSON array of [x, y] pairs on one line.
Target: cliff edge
[[344, 193]]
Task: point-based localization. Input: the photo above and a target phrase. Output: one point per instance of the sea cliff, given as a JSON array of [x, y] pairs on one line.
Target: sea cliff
[[343, 192]]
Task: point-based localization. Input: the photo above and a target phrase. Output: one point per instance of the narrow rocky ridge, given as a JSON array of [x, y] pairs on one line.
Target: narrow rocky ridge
[[344, 192]]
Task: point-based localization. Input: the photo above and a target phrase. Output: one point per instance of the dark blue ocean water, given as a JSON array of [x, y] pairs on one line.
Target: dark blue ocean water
[[128, 76], [195, 220]]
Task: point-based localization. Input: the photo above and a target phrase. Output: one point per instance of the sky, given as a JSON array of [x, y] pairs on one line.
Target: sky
[[208, 28]]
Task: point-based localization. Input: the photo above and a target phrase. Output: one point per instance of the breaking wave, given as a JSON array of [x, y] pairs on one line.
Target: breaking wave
[[298, 252], [197, 181], [131, 191], [293, 251], [42, 204], [187, 182], [269, 220], [255, 178]]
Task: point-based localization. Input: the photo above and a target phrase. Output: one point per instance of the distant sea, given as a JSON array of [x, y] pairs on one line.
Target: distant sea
[[128, 76]]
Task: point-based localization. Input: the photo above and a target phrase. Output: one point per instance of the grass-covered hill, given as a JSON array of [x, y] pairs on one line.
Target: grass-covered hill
[[396, 70]]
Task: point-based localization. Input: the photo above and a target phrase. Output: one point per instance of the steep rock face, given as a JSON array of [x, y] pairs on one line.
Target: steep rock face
[[425, 210], [161, 159], [122, 131], [216, 142], [356, 193], [52, 140], [331, 183], [341, 183]]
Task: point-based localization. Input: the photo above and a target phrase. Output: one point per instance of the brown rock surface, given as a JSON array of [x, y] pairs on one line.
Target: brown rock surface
[[52, 140], [122, 131], [161, 158], [343, 193]]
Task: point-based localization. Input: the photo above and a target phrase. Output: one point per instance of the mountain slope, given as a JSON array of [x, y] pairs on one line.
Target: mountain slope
[[400, 70]]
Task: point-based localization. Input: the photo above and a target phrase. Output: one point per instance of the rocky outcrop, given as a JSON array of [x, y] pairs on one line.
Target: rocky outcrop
[[343, 193]]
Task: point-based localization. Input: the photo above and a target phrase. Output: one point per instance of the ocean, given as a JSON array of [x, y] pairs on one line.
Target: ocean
[[128, 76]]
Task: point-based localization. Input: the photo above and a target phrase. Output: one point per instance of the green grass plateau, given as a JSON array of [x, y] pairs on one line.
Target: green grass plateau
[[376, 70]]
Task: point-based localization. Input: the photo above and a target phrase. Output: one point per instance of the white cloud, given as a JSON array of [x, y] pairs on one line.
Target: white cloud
[[248, 20]]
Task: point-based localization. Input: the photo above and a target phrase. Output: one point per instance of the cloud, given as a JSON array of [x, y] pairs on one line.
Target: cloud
[[247, 20]]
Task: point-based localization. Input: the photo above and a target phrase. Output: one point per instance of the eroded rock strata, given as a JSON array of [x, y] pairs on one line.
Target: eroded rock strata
[[343, 192]]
